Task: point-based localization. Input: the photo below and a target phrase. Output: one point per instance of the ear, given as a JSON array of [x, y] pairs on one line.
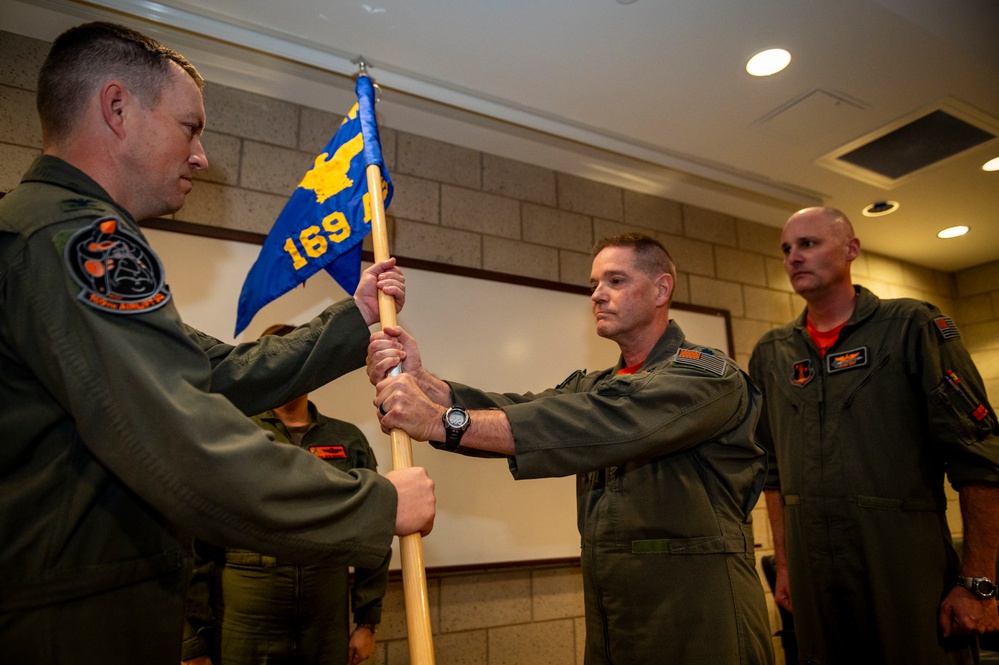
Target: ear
[[852, 248], [664, 284], [114, 99]]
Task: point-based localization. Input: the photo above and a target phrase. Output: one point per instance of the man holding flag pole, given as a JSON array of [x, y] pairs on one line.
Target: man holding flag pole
[[127, 429], [323, 226]]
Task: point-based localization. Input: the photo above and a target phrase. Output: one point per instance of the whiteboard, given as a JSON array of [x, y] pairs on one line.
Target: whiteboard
[[493, 335]]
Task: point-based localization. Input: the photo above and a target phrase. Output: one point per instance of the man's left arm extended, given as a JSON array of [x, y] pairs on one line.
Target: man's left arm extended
[[962, 611]]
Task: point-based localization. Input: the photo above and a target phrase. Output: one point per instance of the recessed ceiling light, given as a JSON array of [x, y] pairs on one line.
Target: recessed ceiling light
[[879, 208], [991, 165], [953, 232], [768, 62]]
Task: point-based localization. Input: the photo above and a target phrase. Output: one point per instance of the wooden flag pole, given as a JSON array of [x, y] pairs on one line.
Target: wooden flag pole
[[414, 578]]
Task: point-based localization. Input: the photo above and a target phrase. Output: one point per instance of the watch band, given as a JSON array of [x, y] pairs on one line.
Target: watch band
[[982, 587], [453, 431]]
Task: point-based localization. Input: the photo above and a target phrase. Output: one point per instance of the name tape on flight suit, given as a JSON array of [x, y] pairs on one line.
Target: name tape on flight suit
[[328, 452], [844, 360]]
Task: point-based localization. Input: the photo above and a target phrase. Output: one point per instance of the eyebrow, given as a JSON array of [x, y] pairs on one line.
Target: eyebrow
[[800, 239], [195, 119], [609, 273]]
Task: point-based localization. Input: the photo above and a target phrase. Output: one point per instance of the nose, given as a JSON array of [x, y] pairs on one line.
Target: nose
[[598, 294], [198, 159], [792, 257]]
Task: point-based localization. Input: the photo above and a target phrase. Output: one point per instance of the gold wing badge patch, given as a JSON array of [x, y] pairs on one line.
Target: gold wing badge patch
[[844, 360]]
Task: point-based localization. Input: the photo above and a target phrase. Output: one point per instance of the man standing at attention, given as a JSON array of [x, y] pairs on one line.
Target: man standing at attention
[[124, 429], [867, 403], [667, 472]]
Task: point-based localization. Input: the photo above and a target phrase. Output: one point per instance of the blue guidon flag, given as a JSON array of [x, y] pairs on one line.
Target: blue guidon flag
[[324, 223]]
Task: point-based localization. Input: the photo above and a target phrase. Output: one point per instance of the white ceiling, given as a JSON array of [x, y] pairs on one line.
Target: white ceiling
[[652, 95]]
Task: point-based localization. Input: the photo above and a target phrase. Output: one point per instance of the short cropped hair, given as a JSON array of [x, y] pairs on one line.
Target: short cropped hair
[[651, 256], [85, 57]]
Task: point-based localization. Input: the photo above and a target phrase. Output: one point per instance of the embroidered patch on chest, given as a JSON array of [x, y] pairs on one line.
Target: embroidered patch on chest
[[700, 359], [946, 327], [116, 270], [844, 360], [802, 373], [328, 452]]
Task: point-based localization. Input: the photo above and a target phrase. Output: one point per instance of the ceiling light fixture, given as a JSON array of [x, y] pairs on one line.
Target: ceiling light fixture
[[991, 165], [880, 208], [766, 63], [953, 232]]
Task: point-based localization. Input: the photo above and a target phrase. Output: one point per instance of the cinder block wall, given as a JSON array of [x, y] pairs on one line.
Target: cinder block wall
[[463, 207]]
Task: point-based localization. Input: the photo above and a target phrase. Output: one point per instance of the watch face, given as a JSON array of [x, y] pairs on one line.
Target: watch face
[[986, 589], [456, 418]]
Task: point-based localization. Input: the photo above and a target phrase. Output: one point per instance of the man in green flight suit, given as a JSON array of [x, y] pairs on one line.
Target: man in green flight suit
[[245, 608], [867, 403], [124, 429], [662, 448]]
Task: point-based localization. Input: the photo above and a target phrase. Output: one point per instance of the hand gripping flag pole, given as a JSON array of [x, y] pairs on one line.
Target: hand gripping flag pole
[[414, 579]]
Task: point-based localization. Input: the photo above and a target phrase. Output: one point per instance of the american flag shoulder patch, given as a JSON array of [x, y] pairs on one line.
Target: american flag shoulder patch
[[946, 327], [703, 359]]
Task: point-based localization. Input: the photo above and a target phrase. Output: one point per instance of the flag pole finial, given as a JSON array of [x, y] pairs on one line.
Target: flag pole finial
[[362, 65]]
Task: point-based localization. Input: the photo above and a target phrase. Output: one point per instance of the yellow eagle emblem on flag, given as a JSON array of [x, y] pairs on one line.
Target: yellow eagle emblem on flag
[[328, 176]]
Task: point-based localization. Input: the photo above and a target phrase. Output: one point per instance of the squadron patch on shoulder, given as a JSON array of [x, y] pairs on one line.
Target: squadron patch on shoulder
[[844, 360], [701, 359], [116, 270], [328, 452], [946, 327], [802, 373]]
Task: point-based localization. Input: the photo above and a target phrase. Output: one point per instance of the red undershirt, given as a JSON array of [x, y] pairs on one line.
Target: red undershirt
[[823, 340]]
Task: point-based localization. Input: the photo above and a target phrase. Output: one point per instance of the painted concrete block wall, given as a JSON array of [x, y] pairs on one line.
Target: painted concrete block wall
[[462, 207]]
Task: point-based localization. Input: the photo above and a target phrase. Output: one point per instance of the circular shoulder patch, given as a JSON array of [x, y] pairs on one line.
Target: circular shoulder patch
[[117, 271]]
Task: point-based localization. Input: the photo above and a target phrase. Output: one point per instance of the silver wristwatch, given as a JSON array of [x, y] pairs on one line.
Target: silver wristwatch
[[982, 587]]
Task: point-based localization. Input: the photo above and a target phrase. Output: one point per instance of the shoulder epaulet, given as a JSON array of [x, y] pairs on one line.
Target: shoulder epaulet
[[25, 211], [570, 378]]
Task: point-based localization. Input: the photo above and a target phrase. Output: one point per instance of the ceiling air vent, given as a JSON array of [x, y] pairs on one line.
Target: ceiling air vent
[[888, 156]]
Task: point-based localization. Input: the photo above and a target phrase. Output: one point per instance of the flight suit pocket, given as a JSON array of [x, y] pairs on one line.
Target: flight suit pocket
[[867, 379], [957, 414]]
